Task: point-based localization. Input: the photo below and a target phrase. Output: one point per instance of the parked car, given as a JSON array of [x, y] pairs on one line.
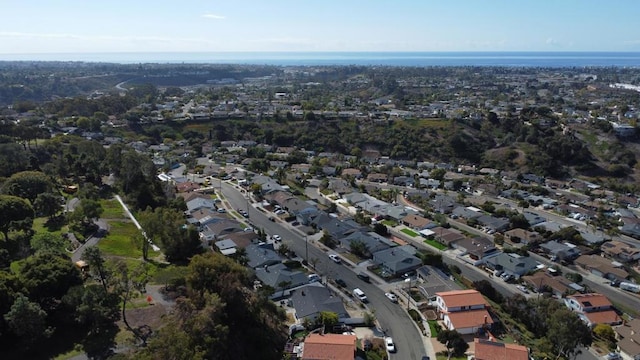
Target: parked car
[[277, 238], [364, 276], [335, 258], [340, 282], [392, 297], [523, 288], [314, 278], [391, 346], [271, 218]]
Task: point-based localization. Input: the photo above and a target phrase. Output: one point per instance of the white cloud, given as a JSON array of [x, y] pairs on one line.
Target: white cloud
[[213, 16]]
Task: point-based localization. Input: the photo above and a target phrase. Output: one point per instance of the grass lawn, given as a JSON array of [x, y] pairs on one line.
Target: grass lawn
[[390, 223], [42, 224], [112, 209], [433, 328], [119, 240], [435, 244], [409, 232]]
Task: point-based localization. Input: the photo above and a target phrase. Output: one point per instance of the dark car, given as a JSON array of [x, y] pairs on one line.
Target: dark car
[[271, 218], [364, 276], [341, 282]]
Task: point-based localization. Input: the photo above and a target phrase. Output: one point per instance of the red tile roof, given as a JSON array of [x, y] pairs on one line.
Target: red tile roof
[[458, 298], [489, 350], [591, 300], [329, 347], [468, 319], [603, 317]]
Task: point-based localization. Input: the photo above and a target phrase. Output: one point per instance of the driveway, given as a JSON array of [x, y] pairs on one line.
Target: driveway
[[103, 229]]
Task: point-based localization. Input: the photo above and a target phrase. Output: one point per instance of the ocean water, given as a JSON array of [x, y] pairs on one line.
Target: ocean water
[[508, 59]]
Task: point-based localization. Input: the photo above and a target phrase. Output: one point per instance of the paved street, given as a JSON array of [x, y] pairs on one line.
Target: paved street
[[392, 317]]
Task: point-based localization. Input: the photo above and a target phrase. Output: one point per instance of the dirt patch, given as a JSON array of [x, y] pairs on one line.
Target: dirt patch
[[430, 314], [151, 316]]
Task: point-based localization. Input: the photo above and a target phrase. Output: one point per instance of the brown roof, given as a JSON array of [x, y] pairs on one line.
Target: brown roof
[[490, 350], [329, 347], [458, 298], [467, 319], [541, 279], [416, 221], [193, 195], [187, 186], [617, 248], [601, 264], [603, 317], [591, 300], [629, 336]]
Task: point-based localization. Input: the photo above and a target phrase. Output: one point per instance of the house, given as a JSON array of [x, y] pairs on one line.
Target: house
[[467, 213], [351, 172], [628, 335], [340, 186], [542, 281], [396, 261], [447, 236], [593, 309], [261, 255], [491, 350], [200, 203], [533, 219], [226, 247], [329, 347], [312, 299], [493, 223], [602, 267], [476, 250], [372, 241], [377, 177], [280, 277], [522, 236], [464, 311], [417, 222], [512, 264], [560, 251], [621, 251], [187, 186]]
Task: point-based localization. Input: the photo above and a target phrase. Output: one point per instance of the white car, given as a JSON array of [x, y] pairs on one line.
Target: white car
[[277, 238], [391, 347], [392, 297], [523, 288], [335, 258]]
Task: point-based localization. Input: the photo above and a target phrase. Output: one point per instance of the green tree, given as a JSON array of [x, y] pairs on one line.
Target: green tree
[[566, 332], [48, 276], [27, 320], [98, 267], [359, 249], [17, 214], [27, 184], [453, 341], [48, 204], [326, 319], [48, 242], [381, 229]]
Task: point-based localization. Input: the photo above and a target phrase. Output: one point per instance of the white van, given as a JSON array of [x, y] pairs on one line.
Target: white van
[[360, 295]]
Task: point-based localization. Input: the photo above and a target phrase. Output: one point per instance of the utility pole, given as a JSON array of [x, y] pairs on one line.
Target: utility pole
[[306, 249], [408, 281]]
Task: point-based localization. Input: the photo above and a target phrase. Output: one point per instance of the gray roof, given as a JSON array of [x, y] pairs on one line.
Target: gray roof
[[309, 300], [372, 241], [278, 273], [396, 260], [513, 263], [199, 203], [261, 255], [225, 244]]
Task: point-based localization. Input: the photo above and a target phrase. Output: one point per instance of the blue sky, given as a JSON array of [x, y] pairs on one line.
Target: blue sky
[[73, 26]]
